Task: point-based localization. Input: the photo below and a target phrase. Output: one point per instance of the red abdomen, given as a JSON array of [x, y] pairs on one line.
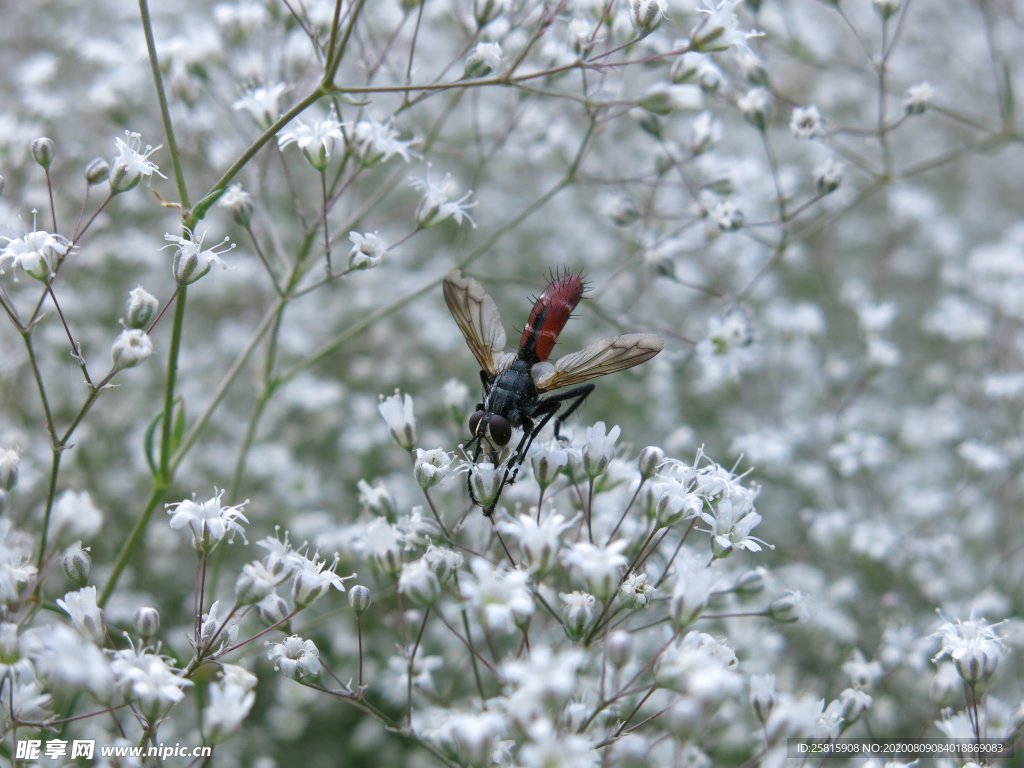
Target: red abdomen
[[550, 313]]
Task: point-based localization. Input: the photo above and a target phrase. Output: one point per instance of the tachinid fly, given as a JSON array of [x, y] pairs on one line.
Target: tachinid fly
[[516, 384]]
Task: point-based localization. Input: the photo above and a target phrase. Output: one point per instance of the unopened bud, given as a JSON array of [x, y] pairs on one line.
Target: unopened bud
[[140, 309], [97, 171], [359, 599], [42, 151], [77, 565], [650, 458], [147, 622]]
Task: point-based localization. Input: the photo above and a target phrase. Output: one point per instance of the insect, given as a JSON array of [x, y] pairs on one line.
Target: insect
[[519, 386]]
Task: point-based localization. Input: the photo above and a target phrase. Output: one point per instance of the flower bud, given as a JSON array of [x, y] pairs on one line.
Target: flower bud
[[788, 608], [239, 203], [397, 412], [762, 695], [646, 15], [97, 172], [3, 183], [77, 565], [750, 582], [485, 480], [42, 151], [130, 348], [754, 106], [418, 582], [140, 308], [577, 614], [482, 61], [10, 650], [359, 599], [828, 176], [273, 609], [619, 648], [650, 458], [147, 622], [8, 468]]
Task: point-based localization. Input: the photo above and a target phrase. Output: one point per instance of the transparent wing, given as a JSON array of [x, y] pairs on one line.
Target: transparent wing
[[600, 358], [477, 316]]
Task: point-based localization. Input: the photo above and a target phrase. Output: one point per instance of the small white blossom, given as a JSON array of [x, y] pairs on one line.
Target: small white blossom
[[262, 103], [438, 201], [367, 252], [209, 521], [484, 59], [578, 612], [539, 541], [828, 175], [719, 28], [917, 98], [315, 140], [132, 164], [36, 254], [239, 203], [646, 15], [378, 142], [635, 590], [973, 645], [230, 700], [313, 579], [501, 597], [754, 106], [75, 516], [191, 261], [419, 583], [397, 412], [806, 123], [694, 584], [432, 466], [294, 657], [86, 615], [599, 568], [599, 449], [140, 309], [731, 521], [131, 347], [148, 681]]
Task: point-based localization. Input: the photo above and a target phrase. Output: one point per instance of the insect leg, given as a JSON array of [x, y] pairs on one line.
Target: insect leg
[[577, 395]]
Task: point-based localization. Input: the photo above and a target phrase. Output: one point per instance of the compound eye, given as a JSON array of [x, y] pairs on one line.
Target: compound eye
[[501, 430], [474, 422]]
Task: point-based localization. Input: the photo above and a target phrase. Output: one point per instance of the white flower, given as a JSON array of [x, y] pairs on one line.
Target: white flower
[[75, 515], [148, 681], [762, 695], [316, 140], [484, 59], [501, 597], [539, 542], [229, 701], [239, 203], [694, 585], [542, 682], [828, 175], [254, 583], [443, 561], [367, 252], [140, 308], [294, 657], [731, 521], [382, 541], [432, 466], [973, 645], [36, 253], [86, 615], [551, 748], [212, 628], [806, 123], [754, 106], [705, 131], [209, 521], [700, 666], [378, 142], [646, 15], [578, 612], [485, 481], [917, 98], [131, 347], [9, 460], [68, 661], [312, 579], [419, 582], [719, 29], [599, 448], [132, 164], [191, 261], [262, 103], [547, 460], [636, 591], [397, 412], [598, 567], [438, 203]]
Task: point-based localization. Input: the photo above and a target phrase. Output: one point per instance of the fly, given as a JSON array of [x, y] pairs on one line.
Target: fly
[[519, 386]]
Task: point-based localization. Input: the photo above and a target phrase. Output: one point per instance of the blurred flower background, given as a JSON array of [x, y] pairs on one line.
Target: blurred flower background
[[234, 508]]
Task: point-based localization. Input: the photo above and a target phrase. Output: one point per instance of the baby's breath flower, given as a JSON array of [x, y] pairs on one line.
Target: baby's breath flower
[[443, 561], [131, 347], [132, 164], [312, 579], [254, 583], [726, 215], [215, 628], [598, 567], [97, 171], [76, 564], [316, 140], [789, 607], [578, 613], [229, 701], [484, 59], [294, 657], [974, 647], [485, 480], [754, 106], [646, 15], [86, 615], [140, 309], [599, 448], [367, 252], [359, 599], [917, 98], [619, 648], [147, 622], [209, 521], [539, 541], [238, 203], [806, 123], [262, 103], [501, 597], [148, 681], [635, 590], [719, 29], [9, 460], [438, 203], [828, 175], [419, 583], [397, 412], [705, 131], [762, 695], [36, 254], [191, 262], [694, 585], [42, 151], [547, 461], [664, 98], [378, 142], [731, 521]]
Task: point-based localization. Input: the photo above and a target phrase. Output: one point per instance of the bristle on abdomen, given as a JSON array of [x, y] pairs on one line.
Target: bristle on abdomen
[[551, 311]]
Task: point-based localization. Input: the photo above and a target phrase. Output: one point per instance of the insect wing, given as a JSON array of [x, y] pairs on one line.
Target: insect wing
[[477, 316], [600, 358]]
